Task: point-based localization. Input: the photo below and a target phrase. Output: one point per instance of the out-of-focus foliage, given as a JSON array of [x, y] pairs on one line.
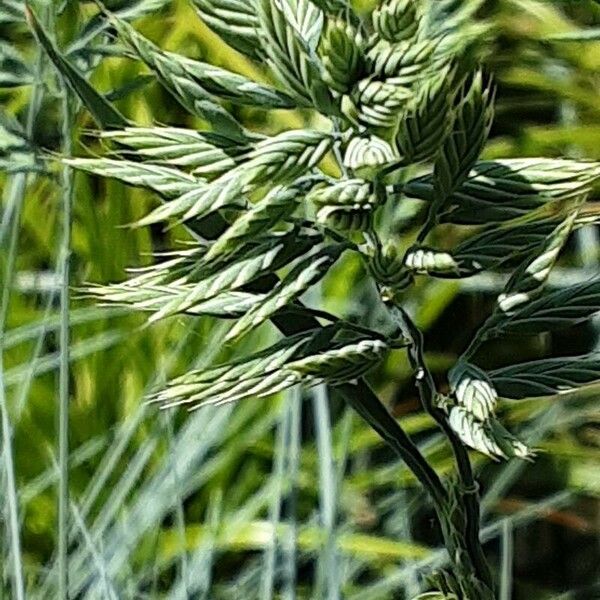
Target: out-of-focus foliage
[[292, 492]]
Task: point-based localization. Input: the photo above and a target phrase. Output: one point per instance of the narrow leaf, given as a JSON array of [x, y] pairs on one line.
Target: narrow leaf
[[554, 310], [104, 113], [502, 190], [546, 377]]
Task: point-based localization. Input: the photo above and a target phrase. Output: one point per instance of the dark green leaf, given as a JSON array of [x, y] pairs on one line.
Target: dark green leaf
[[104, 113], [502, 190], [546, 377], [554, 310]]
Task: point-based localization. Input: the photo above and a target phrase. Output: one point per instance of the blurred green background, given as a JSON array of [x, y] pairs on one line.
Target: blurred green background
[[294, 496]]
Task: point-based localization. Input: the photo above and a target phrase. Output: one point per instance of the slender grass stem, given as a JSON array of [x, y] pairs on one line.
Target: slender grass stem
[[279, 477], [506, 565], [289, 547], [12, 508], [328, 567], [178, 501], [469, 489], [64, 341]]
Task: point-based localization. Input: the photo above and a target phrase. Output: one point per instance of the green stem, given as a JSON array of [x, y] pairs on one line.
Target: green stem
[[327, 571], [485, 332], [12, 503], [361, 398], [469, 491], [64, 342]]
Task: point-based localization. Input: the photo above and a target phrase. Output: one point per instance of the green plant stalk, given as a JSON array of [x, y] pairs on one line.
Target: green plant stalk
[[362, 399], [292, 465], [95, 554], [12, 509], [457, 506], [122, 439], [64, 341], [328, 566], [179, 510], [469, 488], [507, 549], [278, 474], [439, 558]]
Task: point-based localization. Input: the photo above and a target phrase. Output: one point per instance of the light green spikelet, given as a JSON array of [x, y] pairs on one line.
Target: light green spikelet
[[426, 124], [504, 189], [346, 205], [206, 152], [231, 278], [473, 390], [285, 156], [208, 281], [402, 63], [273, 160], [489, 437], [343, 364], [153, 298], [396, 20], [341, 55], [472, 122], [257, 375], [309, 270], [234, 20], [510, 445], [288, 46], [346, 219], [387, 267], [166, 181], [527, 282], [201, 201], [474, 433], [366, 155], [304, 358], [375, 103], [174, 74], [423, 260], [279, 203]]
